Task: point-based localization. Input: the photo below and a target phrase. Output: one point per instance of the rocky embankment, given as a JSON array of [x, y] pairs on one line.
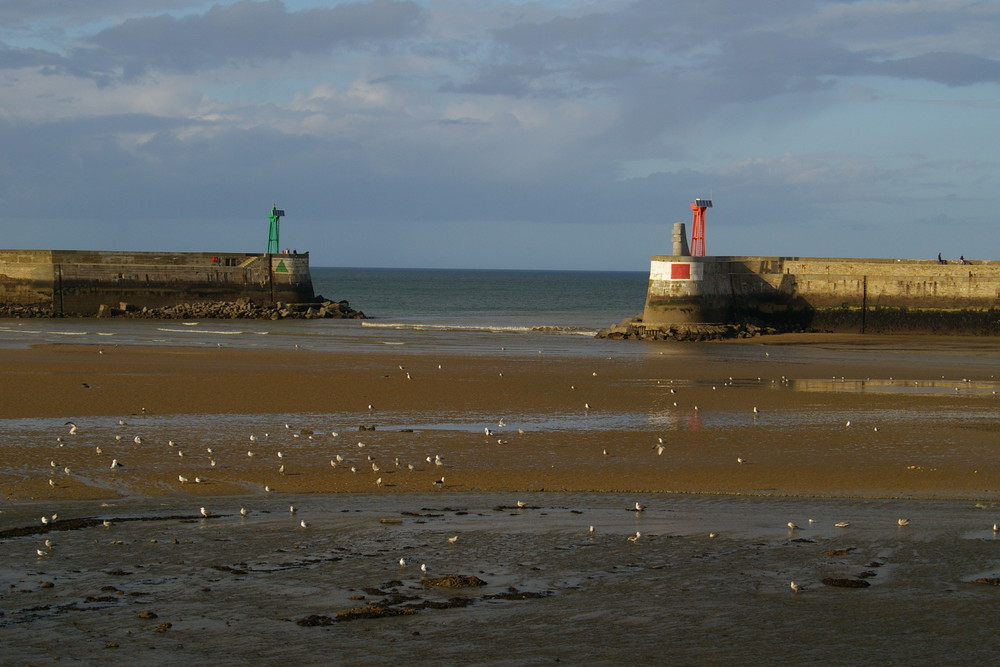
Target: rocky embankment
[[634, 329], [241, 309]]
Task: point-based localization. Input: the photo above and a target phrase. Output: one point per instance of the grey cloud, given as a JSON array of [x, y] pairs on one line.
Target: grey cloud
[[950, 69], [246, 32]]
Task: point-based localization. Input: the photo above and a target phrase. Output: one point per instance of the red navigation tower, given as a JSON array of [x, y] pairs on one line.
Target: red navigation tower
[[698, 207]]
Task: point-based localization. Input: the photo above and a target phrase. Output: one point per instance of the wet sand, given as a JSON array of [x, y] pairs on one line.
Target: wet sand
[[706, 579], [922, 413]]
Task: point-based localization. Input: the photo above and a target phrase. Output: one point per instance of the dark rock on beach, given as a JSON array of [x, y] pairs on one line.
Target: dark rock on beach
[[846, 583], [455, 581]]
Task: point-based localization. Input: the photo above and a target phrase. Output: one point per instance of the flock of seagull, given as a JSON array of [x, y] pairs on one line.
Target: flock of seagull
[[433, 460]]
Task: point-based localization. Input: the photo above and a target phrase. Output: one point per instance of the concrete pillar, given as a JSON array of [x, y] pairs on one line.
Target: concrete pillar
[[680, 240]]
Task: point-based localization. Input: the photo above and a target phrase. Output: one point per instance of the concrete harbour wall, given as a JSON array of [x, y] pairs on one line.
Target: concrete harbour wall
[[834, 294], [78, 282]]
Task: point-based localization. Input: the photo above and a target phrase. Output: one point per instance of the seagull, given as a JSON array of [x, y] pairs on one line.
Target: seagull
[[115, 464], [45, 520], [205, 512], [375, 467], [423, 567], [41, 553], [842, 524], [303, 523], [72, 428], [182, 479], [250, 454], [755, 410], [199, 480], [638, 507], [137, 440], [253, 438], [106, 523], [792, 526], [712, 536], [281, 455], [633, 538], [98, 450], [591, 530], [267, 489], [378, 482], [740, 459], [659, 450], [439, 482], [794, 586], [243, 511], [586, 406], [52, 482], [521, 503], [903, 522], [453, 539], [996, 529], [402, 562], [48, 543]]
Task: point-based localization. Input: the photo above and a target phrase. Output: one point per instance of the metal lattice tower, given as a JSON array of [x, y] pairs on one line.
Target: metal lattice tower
[[272, 233], [698, 207]]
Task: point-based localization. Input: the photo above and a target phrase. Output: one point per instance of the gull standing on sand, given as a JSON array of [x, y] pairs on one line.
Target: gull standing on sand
[[243, 511], [402, 562], [842, 524], [453, 539], [205, 512], [638, 507], [794, 586], [903, 522], [115, 464], [634, 538], [303, 523], [792, 526], [423, 568], [72, 428]]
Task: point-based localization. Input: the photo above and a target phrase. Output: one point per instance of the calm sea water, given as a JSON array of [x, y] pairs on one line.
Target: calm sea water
[[459, 297], [419, 309]]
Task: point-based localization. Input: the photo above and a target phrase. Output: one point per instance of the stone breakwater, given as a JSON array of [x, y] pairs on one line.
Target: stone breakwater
[[633, 329], [241, 309]]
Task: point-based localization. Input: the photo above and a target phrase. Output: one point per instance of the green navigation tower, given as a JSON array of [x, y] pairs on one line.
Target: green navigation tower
[[272, 234]]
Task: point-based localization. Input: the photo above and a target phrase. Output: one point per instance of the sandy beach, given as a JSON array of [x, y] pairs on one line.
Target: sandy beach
[[894, 418], [107, 564]]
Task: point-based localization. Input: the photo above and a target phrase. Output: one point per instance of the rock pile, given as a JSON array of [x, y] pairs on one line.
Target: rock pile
[[633, 329], [241, 309]]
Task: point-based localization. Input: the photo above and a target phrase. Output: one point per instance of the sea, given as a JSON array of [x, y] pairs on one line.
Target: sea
[[415, 310], [571, 578]]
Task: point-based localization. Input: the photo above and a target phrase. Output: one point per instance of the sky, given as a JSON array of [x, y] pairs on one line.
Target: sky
[[560, 134]]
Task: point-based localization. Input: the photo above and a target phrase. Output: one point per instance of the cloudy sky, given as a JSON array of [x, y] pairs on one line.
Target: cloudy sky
[[560, 134]]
